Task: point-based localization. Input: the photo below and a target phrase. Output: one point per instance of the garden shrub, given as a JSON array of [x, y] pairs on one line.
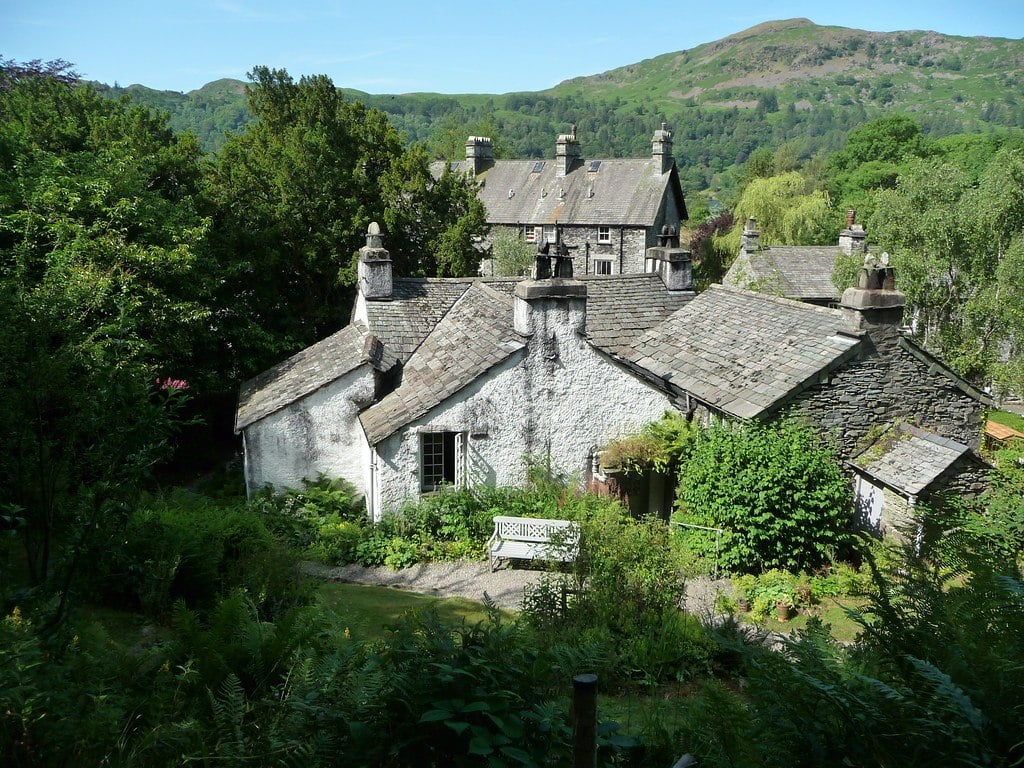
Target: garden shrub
[[337, 541], [297, 514], [626, 587], [187, 547], [778, 495]]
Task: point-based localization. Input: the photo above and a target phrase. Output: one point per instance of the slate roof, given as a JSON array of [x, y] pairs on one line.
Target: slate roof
[[621, 192], [621, 307], [801, 272], [911, 459], [308, 370], [474, 336], [742, 352], [416, 306]]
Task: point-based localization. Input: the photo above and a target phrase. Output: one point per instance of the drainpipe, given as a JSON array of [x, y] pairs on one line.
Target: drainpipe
[[919, 536], [371, 488]]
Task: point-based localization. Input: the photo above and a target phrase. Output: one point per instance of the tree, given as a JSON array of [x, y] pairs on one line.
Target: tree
[[294, 194], [776, 492], [510, 254], [99, 302], [959, 254], [787, 212]]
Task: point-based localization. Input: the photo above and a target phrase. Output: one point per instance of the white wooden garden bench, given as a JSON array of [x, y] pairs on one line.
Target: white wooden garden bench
[[532, 538]]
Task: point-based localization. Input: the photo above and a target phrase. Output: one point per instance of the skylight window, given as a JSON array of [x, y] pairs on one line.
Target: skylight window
[[538, 166], [595, 165]]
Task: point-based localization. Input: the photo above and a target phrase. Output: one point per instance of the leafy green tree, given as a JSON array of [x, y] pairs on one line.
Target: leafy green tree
[[510, 254], [872, 159], [99, 301], [294, 194], [959, 253], [778, 495], [787, 212]]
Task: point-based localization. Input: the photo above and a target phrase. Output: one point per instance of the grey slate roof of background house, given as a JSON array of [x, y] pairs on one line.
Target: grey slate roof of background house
[[911, 459], [308, 370], [621, 192], [801, 272], [742, 352], [474, 336], [621, 307]]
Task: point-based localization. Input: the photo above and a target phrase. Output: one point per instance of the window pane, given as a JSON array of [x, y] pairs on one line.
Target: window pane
[[437, 460]]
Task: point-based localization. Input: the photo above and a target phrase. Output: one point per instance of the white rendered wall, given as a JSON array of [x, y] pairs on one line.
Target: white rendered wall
[[560, 400], [317, 434]]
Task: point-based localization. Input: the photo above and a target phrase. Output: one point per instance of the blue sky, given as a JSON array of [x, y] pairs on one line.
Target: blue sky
[[402, 46]]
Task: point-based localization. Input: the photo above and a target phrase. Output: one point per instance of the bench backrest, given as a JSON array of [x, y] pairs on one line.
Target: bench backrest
[[536, 529]]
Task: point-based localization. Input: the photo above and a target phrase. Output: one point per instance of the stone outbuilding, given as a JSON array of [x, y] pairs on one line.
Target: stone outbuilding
[[798, 272], [607, 212], [455, 381]]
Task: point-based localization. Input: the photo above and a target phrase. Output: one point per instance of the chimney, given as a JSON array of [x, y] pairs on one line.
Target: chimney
[[874, 304], [661, 149], [479, 154], [374, 270], [567, 152], [750, 240], [852, 239], [548, 308], [673, 264]]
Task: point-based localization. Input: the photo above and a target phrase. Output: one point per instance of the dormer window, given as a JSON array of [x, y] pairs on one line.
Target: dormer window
[[604, 235]]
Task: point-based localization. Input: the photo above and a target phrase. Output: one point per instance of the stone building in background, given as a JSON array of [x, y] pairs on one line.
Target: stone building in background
[[799, 272], [607, 212]]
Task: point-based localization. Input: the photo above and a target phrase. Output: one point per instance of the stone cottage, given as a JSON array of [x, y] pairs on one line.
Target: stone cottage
[[455, 381], [606, 212], [851, 371], [799, 272]]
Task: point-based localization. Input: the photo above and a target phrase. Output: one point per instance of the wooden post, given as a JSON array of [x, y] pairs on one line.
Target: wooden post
[[584, 721]]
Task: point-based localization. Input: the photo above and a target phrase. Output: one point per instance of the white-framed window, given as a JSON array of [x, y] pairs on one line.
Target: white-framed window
[[531, 233], [604, 234], [602, 266], [551, 233], [440, 453]]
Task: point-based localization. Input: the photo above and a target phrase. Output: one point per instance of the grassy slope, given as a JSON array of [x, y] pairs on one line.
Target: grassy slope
[[807, 64]]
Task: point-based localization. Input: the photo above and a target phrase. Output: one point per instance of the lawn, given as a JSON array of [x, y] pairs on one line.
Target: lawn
[[368, 611]]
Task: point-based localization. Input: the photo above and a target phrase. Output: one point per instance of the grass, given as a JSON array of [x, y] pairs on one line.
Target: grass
[[833, 613], [368, 611]]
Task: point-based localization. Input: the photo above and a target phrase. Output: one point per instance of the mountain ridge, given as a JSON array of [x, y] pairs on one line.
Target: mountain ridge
[[788, 81]]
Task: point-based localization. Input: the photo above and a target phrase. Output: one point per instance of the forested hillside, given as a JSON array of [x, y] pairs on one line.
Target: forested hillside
[[786, 82]]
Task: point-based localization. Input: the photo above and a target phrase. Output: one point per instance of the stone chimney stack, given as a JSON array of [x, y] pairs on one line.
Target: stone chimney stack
[[874, 304], [375, 279], [853, 239], [661, 149], [547, 308], [750, 240], [567, 152], [479, 154], [673, 264]]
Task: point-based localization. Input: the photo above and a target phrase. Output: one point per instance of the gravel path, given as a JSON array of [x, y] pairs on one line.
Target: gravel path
[[473, 579]]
